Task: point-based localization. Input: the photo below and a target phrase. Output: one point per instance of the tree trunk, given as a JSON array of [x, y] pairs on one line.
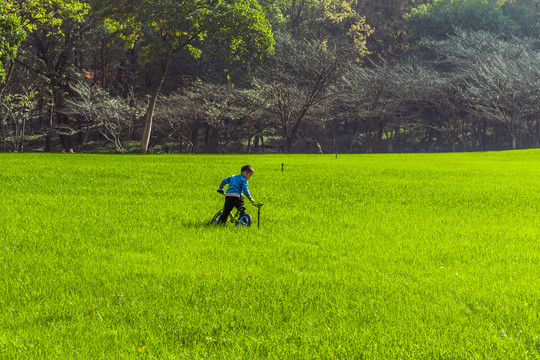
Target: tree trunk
[[48, 136], [8, 76], [512, 135], [193, 140], [103, 67], [289, 144], [319, 148], [248, 150], [369, 138], [483, 135], [64, 132], [94, 75], [145, 141], [537, 135], [207, 138]]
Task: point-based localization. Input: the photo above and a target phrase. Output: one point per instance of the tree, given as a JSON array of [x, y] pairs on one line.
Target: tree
[[300, 76], [370, 96], [166, 27], [325, 20], [500, 78], [482, 84], [526, 14], [508, 92], [48, 19], [178, 119], [52, 57], [20, 17], [233, 113], [446, 109], [228, 113], [386, 18], [15, 112], [113, 116], [11, 37], [442, 17], [380, 102]]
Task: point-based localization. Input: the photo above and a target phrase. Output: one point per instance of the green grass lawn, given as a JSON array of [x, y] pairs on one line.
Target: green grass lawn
[[363, 256]]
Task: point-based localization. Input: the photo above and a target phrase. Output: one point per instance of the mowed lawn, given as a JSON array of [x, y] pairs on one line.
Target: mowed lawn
[[357, 257]]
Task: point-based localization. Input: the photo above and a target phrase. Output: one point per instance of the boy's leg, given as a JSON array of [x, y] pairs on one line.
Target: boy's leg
[[240, 205], [230, 203]]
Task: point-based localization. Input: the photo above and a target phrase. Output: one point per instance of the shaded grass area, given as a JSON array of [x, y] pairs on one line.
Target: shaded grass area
[[363, 256]]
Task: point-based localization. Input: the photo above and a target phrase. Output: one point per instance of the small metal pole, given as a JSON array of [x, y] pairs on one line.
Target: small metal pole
[[282, 167], [259, 217]]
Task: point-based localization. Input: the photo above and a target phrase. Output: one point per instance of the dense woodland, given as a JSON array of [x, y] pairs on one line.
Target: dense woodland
[[261, 76]]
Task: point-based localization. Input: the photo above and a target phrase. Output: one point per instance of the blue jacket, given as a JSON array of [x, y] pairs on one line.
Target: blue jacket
[[238, 184]]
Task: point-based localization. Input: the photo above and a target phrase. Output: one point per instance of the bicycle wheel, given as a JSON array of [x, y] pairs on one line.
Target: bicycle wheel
[[215, 219], [244, 220]]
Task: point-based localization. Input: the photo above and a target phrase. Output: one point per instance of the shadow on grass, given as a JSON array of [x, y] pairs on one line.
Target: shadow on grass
[[201, 224], [196, 224]]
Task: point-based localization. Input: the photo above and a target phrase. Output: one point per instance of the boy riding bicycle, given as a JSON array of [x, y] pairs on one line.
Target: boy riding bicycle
[[238, 185]]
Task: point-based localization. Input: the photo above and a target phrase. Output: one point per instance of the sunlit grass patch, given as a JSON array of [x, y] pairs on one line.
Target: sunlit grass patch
[[374, 256]]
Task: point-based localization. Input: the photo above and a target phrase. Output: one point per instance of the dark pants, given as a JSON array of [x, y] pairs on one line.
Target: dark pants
[[232, 202]]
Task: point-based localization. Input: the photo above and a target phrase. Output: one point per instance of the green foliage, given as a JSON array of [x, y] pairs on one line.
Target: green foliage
[[19, 17], [165, 26], [525, 16], [243, 26], [33, 13], [11, 36], [438, 20], [386, 19], [333, 21], [273, 13], [378, 257]]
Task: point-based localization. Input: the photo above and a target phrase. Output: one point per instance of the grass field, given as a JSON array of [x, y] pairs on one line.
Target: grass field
[[364, 256]]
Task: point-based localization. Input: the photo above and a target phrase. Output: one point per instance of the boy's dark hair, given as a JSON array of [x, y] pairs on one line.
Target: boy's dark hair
[[247, 168]]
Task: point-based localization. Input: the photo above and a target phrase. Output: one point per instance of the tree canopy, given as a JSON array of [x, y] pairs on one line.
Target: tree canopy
[[165, 27], [11, 36], [440, 18], [268, 75]]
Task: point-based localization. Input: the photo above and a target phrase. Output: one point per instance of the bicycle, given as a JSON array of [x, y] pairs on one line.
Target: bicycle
[[241, 218]]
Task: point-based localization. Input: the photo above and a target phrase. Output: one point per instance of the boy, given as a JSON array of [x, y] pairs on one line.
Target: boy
[[238, 185]]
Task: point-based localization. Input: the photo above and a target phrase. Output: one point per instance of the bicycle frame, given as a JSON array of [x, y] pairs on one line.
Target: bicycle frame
[[234, 218], [239, 218]]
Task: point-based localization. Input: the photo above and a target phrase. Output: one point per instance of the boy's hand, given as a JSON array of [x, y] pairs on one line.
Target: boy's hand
[[252, 201], [220, 191]]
